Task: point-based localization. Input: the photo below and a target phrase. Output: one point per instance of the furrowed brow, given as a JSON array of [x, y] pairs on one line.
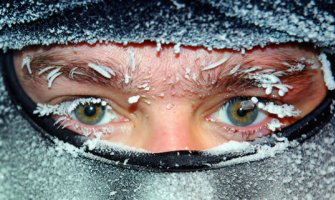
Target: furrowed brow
[[81, 69]]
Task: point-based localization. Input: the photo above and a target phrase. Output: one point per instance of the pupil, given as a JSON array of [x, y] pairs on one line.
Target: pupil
[[90, 110], [241, 112]]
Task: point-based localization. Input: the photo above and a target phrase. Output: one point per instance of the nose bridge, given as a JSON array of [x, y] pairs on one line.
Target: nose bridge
[[170, 127]]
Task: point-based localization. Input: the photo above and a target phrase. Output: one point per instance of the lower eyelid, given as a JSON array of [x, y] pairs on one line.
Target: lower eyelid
[[244, 133]]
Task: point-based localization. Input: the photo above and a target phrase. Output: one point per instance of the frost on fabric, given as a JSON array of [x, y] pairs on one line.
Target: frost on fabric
[[223, 25], [96, 143], [327, 73], [12, 13], [262, 152], [231, 147]]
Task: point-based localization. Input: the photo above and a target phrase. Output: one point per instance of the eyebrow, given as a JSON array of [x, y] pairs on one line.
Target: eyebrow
[[219, 78]]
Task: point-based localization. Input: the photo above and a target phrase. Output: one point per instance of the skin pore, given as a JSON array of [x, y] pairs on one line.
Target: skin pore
[[177, 96]]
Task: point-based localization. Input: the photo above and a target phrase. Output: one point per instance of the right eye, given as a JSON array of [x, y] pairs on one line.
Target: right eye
[[233, 114], [94, 114]]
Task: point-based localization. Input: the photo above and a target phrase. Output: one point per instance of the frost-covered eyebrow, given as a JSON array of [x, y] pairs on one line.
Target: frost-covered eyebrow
[[92, 70]]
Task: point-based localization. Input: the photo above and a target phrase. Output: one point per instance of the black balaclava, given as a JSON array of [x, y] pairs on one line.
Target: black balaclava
[[34, 165]]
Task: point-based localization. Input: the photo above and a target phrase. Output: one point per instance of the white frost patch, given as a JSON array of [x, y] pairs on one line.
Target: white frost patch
[[62, 147], [281, 111], [133, 99], [102, 70], [53, 74], [45, 70], [127, 78], [231, 147], [254, 99], [274, 124], [296, 68], [26, 62], [177, 4], [269, 79], [327, 73], [176, 48], [187, 73], [132, 61], [226, 56], [105, 144], [232, 71], [158, 46], [263, 151], [64, 108]]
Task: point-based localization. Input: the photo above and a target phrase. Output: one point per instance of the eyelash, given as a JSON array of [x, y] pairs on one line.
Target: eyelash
[[63, 114], [268, 125]]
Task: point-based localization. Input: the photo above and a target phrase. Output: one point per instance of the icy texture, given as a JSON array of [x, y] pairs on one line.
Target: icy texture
[[31, 167], [214, 24]]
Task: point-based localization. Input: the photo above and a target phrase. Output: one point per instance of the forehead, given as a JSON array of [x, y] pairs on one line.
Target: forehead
[[194, 69], [148, 54]]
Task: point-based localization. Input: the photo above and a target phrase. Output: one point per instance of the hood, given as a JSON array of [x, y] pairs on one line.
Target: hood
[[214, 24]]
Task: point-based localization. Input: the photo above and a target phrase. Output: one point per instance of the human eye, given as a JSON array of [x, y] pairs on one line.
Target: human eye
[[88, 116], [247, 118]]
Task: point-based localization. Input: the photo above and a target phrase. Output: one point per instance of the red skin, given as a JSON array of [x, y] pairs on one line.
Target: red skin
[[173, 115]]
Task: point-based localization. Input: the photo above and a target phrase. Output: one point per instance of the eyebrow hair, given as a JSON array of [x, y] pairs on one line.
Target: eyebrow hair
[[218, 78]]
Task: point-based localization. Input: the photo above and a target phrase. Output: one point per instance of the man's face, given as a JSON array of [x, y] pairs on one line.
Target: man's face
[[160, 100]]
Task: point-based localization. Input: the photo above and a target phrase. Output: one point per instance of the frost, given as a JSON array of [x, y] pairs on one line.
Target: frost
[[158, 46], [327, 73], [230, 147], [237, 67], [45, 69], [177, 4], [176, 48], [247, 105], [64, 108], [26, 62], [262, 151], [132, 61], [133, 99], [281, 111], [268, 79], [274, 124], [254, 99], [102, 70], [226, 56], [52, 75], [127, 78]]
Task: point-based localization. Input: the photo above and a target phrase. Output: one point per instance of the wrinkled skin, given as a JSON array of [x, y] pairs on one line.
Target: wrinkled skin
[[32, 167]]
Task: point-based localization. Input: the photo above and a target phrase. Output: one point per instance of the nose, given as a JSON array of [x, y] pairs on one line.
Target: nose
[[171, 127]]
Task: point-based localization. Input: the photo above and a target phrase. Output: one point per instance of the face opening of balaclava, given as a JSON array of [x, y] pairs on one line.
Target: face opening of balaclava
[[42, 157]]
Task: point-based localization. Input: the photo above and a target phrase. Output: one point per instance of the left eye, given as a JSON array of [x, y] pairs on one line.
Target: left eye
[[93, 113], [232, 113]]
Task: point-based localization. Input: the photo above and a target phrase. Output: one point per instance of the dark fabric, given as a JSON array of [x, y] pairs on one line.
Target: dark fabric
[[215, 24]]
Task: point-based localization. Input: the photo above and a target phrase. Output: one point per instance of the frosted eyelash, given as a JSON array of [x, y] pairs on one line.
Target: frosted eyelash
[[65, 108], [102, 70], [26, 62], [268, 79], [226, 56], [281, 111]]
